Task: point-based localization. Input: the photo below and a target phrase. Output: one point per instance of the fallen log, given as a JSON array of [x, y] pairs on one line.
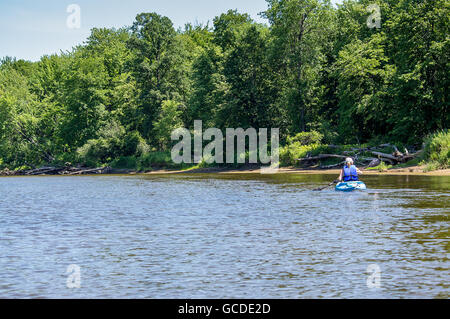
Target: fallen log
[[397, 157], [38, 170], [365, 159], [386, 145], [397, 153], [7, 172], [56, 171], [99, 170], [387, 156], [409, 157], [333, 166], [374, 163], [48, 171], [320, 157]]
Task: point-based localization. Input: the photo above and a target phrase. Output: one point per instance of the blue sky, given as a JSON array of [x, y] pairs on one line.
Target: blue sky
[[30, 28]]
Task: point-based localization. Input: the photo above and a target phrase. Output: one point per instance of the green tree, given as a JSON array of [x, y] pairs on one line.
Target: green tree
[[364, 75], [418, 33], [23, 139], [84, 99], [228, 28], [157, 67], [168, 120], [299, 28], [250, 92]]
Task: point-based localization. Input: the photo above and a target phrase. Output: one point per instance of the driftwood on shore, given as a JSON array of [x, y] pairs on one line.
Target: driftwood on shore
[[99, 170], [66, 170], [321, 157], [396, 157], [333, 166]]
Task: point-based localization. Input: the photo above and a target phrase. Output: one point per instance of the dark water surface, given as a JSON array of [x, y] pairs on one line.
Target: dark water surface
[[233, 236]]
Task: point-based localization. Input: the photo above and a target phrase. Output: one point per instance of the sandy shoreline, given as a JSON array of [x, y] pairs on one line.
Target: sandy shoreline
[[416, 170]]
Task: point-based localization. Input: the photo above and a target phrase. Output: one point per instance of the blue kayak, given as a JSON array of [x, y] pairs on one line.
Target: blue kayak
[[350, 186]]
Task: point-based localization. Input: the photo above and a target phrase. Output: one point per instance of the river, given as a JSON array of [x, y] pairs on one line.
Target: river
[[223, 236]]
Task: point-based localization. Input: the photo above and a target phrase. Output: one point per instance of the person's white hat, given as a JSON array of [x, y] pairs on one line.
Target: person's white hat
[[349, 160]]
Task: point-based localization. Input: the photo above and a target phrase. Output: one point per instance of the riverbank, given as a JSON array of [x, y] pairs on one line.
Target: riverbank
[[414, 170]]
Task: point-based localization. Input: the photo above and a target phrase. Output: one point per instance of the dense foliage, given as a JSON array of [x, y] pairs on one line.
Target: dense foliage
[[314, 68], [437, 150]]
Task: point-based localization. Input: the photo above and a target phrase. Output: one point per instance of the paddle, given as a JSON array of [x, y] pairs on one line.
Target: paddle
[[322, 188]]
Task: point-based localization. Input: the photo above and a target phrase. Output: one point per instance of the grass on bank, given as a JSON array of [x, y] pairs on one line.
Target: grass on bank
[[383, 167], [437, 151]]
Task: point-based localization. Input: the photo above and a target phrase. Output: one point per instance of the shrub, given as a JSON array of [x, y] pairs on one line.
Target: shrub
[[134, 144], [381, 168], [112, 143], [431, 166], [128, 162], [93, 152], [169, 119], [155, 159], [290, 154], [437, 150], [306, 138]]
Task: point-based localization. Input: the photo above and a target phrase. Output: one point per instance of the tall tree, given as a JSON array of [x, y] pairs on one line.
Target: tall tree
[[155, 66], [298, 28], [250, 91], [419, 45]]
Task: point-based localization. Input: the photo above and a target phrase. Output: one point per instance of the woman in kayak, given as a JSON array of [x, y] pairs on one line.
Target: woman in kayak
[[350, 172]]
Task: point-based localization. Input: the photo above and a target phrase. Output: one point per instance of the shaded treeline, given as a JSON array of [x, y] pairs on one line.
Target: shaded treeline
[[314, 67]]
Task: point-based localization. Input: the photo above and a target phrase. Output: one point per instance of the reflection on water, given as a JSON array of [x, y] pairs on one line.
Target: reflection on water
[[231, 236]]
